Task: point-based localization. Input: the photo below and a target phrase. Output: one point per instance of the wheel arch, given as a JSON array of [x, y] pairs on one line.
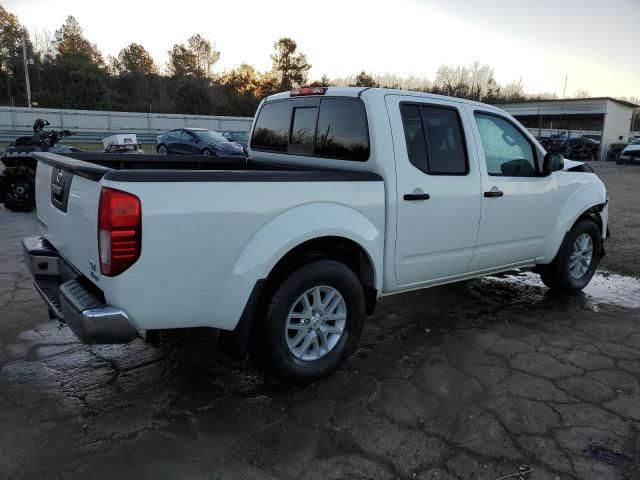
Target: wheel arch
[[333, 247], [591, 211], [343, 234]]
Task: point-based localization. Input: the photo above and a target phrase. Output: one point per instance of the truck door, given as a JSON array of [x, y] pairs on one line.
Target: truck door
[[438, 184], [519, 205]]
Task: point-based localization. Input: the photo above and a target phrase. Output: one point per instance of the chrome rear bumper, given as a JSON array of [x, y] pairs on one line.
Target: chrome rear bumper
[[72, 298]]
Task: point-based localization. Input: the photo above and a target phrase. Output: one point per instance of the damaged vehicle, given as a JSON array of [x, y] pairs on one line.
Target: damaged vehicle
[[17, 182], [630, 155], [348, 195]]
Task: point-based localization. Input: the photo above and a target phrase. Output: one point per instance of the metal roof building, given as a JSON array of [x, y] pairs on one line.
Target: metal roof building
[[604, 116]]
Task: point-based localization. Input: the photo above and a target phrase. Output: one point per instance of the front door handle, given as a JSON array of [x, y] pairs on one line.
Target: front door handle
[[416, 195], [493, 193]]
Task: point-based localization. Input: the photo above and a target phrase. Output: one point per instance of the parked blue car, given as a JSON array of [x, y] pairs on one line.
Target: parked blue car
[[197, 141]]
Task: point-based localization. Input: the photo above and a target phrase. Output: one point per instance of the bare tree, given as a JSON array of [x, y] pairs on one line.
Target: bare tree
[[43, 43], [513, 91], [581, 94]]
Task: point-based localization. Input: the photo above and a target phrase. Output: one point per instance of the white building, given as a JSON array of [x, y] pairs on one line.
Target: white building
[[608, 118]]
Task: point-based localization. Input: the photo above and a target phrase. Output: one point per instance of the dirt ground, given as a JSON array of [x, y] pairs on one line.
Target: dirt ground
[[623, 248], [487, 379]]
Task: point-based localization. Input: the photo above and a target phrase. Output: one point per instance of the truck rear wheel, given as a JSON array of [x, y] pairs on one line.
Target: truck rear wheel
[[313, 322], [577, 259]]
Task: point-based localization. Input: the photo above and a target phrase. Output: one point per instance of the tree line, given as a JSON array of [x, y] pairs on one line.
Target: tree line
[[68, 71]]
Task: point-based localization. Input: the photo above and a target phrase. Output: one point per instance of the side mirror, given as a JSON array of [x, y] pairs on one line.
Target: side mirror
[[552, 163]]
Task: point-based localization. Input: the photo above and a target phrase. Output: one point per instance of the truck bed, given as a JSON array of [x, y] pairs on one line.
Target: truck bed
[[186, 168], [210, 228]]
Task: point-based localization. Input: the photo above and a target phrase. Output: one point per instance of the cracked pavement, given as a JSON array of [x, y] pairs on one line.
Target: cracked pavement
[[478, 380]]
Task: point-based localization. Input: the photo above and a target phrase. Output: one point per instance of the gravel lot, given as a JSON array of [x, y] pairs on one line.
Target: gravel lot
[[480, 380]]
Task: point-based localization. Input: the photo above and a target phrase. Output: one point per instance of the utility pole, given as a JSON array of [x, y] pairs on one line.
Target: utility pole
[[26, 70], [562, 104]]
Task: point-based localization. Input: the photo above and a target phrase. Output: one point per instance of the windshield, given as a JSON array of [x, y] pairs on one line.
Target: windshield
[[242, 136], [209, 136]]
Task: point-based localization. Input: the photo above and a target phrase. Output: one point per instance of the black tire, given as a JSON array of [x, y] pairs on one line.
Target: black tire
[[19, 195], [163, 149], [208, 153], [272, 343], [557, 275]]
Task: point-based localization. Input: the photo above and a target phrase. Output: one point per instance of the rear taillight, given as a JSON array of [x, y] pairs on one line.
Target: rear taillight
[[119, 231]]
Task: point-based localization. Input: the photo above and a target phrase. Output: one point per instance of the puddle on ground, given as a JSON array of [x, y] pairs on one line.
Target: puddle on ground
[[604, 288]]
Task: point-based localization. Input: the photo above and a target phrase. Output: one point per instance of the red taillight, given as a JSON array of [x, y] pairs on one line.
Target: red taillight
[[299, 92], [119, 231]]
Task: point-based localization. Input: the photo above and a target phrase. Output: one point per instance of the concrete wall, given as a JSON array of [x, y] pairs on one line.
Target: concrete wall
[[617, 123], [547, 132], [88, 124]]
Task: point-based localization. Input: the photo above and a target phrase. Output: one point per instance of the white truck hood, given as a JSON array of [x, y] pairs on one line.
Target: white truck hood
[[571, 163]]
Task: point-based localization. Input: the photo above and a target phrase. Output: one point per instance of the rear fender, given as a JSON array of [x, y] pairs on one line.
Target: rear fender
[[279, 237], [290, 229], [307, 222]]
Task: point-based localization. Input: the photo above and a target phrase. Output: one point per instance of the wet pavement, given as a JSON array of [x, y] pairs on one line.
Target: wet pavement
[[488, 379]]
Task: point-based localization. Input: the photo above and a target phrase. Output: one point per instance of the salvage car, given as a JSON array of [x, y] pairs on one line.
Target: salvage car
[[197, 141], [615, 149], [558, 144], [630, 154], [583, 149], [349, 194]]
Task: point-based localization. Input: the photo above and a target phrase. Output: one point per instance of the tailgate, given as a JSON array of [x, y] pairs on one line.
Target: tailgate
[[67, 196]]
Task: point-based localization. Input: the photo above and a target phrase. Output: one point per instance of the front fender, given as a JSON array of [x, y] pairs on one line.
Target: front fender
[[582, 200], [306, 222]]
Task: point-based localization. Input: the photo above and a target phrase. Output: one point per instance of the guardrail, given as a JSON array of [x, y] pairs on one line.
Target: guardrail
[[91, 126]]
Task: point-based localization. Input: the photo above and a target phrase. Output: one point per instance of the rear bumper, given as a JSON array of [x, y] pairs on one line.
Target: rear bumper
[[72, 299]]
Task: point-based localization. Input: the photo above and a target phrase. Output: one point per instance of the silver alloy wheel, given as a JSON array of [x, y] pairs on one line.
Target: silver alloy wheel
[[581, 256], [315, 323], [206, 153], [162, 150]]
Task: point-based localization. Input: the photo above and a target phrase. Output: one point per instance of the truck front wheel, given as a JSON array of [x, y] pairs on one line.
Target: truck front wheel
[[577, 259], [313, 322]]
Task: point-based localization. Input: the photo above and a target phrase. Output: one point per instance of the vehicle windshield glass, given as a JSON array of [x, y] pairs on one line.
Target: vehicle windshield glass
[[209, 136], [242, 136]]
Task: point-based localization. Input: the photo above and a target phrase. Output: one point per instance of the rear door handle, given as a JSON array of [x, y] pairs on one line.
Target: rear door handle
[[493, 193], [416, 196]]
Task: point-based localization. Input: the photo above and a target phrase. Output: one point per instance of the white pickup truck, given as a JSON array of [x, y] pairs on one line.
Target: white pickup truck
[[349, 194]]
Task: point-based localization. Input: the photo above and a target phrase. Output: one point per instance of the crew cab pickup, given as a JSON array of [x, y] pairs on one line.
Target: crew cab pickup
[[349, 194]]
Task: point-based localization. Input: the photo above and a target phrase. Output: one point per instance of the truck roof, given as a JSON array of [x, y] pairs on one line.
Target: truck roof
[[356, 92]]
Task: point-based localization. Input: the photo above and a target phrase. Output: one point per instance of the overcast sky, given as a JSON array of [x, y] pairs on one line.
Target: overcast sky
[[595, 43]]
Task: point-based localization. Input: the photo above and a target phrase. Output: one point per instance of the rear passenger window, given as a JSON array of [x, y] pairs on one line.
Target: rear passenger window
[[304, 125], [337, 130], [342, 130], [271, 132], [435, 142]]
